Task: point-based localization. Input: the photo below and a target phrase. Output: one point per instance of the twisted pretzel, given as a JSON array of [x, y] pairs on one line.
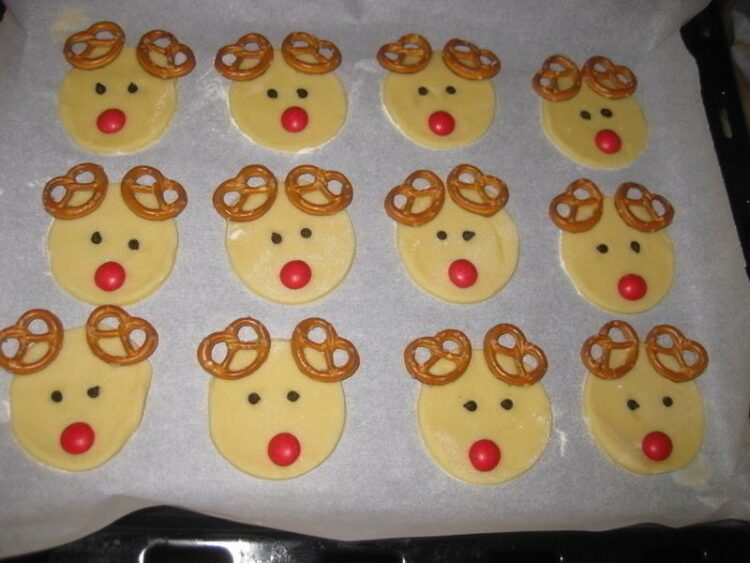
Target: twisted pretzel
[[62, 209], [20, 332], [404, 215], [614, 82], [125, 326], [263, 54], [570, 222], [466, 60], [169, 68], [87, 59], [296, 191], [546, 81], [409, 54], [131, 186], [488, 204], [521, 349], [676, 350], [625, 206], [240, 185], [298, 56], [600, 367], [331, 343], [435, 345], [230, 337]]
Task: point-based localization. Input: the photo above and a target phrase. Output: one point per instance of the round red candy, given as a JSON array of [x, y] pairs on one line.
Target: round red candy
[[294, 119], [110, 120], [463, 273], [109, 276], [77, 438], [608, 141], [441, 123], [295, 274], [656, 446], [632, 287], [484, 455], [284, 449]]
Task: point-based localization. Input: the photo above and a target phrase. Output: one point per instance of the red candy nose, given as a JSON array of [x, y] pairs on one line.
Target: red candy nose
[[110, 120], [294, 119], [109, 276], [77, 438], [484, 455], [462, 273], [441, 123], [295, 274], [656, 446], [632, 287], [608, 141], [284, 449]]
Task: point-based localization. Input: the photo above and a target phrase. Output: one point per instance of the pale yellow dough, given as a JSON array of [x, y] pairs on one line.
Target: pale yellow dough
[[242, 431], [38, 421], [74, 258], [595, 275], [147, 112], [574, 136], [472, 106], [448, 429]]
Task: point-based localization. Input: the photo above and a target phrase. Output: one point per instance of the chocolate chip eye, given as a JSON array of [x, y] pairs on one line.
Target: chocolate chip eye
[[132, 87], [442, 235], [276, 238], [585, 115], [470, 406], [96, 238], [100, 88], [468, 235], [305, 233], [422, 91], [292, 396], [302, 93], [93, 392], [133, 244], [253, 398], [635, 246], [450, 90], [602, 248], [271, 93], [56, 396], [668, 402], [632, 404], [507, 404], [606, 112]]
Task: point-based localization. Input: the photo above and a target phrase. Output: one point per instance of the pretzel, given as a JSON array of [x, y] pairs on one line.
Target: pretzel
[[20, 332], [676, 350], [409, 54], [546, 81], [296, 191], [87, 59], [468, 61], [62, 209], [148, 46], [520, 349], [404, 215], [614, 82], [298, 56], [125, 326], [570, 222], [436, 346], [131, 186], [600, 367], [645, 201], [488, 204], [234, 71], [331, 343], [240, 185], [230, 337]]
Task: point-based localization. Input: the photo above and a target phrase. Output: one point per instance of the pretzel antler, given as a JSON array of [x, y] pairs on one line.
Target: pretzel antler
[[469, 61], [62, 208], [547, 80], [520, 350], [645, 201], [608, 79], [126, 325], [435, 192], [307, 53], [261, 52], [161, 61], [21, 333], [296, 190], [600, 366], [331, 343], [241, 185], [480, 183], [675, 350], [132, 185], [409, 54], [97, 51], [230, 337], [435, 345], [570, 221]]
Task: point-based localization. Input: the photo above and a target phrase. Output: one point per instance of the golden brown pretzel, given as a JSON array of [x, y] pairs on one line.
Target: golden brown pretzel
[[230, 337], [168, 68], [20, 332], [570, 222], [546, 81], [61, 209], [520, 349], [87, 59], [306, 53], [409, 54], [435, 192], [676, 350], [240, 185], [131, 186], [468, 61], [234, 71], [125, 326], [645, 201], [488, 204], [332, 342], [435, 345], [297, 191], [600, 367], [614, 82]]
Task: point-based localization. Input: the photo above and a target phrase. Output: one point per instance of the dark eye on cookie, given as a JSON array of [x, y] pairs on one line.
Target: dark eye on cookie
[[253, 398], [100, 88], [632, 404], [507, 404], [442, 235], [606, 112], [667, 401], [305, 233], [132, 87], [96, 237], [585, 115], [422, 91], [272, 93], [635, 246], [468, 235], [292, 396], [450, 89], [133, 244], [56, 396], [470, 406], [276, 238], [302, 93], [93, 392], [602, 248]]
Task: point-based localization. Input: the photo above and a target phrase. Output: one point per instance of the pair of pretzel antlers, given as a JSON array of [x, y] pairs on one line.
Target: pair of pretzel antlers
[[596, 352], [482, 194], [134, 183], [96, 331], [560, 79], [261, 344]]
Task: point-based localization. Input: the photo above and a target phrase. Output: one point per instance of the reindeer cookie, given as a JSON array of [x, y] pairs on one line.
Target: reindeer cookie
[[440, 101], [112, 243], [119, 100], [292, 103], [290, 245], [615, 250], [483, 415], [77, 395], [277, 407], [641, 405], [591, 114], [462, 248]]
